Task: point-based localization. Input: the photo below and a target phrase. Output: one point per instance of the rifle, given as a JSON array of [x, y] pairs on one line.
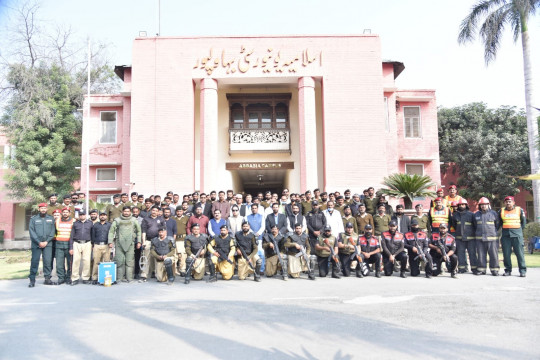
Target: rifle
[[188, 270], [333, 254], [421, 253], [244, 255], [223, 257], [303, 253], [358, 255], [276, 250], [442, 247]]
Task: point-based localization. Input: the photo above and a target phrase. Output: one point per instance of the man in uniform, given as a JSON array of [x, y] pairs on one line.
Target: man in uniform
[[247, 247], [53, 204], [387, 207], [181, 225], [306, 204], [42, 229], [315, 222], [370, 250], [80, 247], [100, 240], [93, 216], [393, 246], [294, 244], [195, 261], [64, 226], [114, 210], [363, 218], [438, 214], [125, 234], [150, 229], [486, 223], [423, 219], [347, 197], [381, 220], [462, 220], [443, 240], [145, 212], [371, 202], [512, 218], [440, 194], [162, 250], [452, 195], [415, 242], [348, 218], [274, 236], [324, 243], [340, 205], [67, 204], [346, 243], [221, 250]]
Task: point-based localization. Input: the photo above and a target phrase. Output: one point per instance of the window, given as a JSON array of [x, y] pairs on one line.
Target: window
[[28, 213], [386, 116], [104, 199], [259, 111], [414, 169], [412, 121], [108, 127], [106, 175]]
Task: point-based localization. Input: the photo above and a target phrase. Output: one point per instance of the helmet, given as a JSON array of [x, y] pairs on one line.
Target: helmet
[[462, 202], [483, 201], [454, 203]]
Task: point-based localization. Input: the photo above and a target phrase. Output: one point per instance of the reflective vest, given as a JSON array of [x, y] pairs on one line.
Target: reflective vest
[[511, 219], [439, 216], [449, 200], [63, 229]]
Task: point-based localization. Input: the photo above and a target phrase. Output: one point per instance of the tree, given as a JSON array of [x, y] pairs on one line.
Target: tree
[[497, 14], [407, 187], [487, 146]]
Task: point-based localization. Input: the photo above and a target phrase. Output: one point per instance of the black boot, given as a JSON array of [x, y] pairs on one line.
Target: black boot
[[48, 281], [402, 274], [212, 268], [335, 273], [188, 270], [359, 273], [257, 275], [32, 283], [377, 274]]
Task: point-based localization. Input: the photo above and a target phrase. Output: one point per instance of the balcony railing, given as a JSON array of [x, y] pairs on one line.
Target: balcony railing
[[259, 140]]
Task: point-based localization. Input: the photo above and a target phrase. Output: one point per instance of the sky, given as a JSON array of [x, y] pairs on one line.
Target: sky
[[420, 33]]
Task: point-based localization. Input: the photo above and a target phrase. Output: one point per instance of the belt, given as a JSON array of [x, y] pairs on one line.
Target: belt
[[100, 243], [81, 241]]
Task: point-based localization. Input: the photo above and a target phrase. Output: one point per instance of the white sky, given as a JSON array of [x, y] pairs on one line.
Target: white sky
[[420, 33]]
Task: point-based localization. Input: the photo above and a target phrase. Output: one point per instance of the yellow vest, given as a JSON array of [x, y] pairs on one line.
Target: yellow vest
[[511, 219], [63, 229], [439, 216]]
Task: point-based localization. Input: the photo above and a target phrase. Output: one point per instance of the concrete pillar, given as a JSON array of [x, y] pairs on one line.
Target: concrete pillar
[[308, 134], [208, 132]]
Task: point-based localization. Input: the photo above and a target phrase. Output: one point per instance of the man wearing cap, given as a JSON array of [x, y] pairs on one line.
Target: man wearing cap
[[294, 243], [381, 220], [42, 229], [346, 243], [441, 240], [93, 216], [403, 221], [274, 236], [114, 210], [67, 204], [422, 218], [181, 225], [440, 194], [80, 247], [370, 251], [333, 218], [194, 242], [348, 218], [363, 218], [452, 195], [198, 218], [221, 250], [150, 229], [326, 243], [513, 221], [462, 221], [416, 241], [100, 241], [162, 250], [53, 204], [486, 222], [393, 244], [246, 243], [64, 227], [438, 214], [125, 233]]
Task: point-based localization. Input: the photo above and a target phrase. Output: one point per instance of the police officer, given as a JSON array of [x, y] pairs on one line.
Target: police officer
[[462, 220], [325, 246], [346, 242], [246, 247], [114, 210], [416, 242], [439, 241], [381, 220], [315, 222], [63, 258], [295, 243], [393, 246], [181, 225], [42, 229], [100, 240], [80, 247], [512, 218], [162, 250], [221, 249], [271, 253], [486, 223], [53, 204], [370, 250], [196, 253]]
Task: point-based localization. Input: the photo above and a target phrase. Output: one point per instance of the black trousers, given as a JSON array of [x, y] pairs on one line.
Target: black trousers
[[415, 264], [323, 263], [389, 266], [345, 264], [438, 260], [373, 259], [137, 269]]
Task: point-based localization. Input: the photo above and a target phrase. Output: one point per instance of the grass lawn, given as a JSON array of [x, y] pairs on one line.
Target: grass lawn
[[14, 264]]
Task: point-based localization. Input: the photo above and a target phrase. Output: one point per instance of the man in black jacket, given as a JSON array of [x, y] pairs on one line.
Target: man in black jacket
[[80, 246], [100, 239]]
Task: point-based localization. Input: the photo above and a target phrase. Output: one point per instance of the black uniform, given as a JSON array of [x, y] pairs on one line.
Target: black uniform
[[462, 221], [449, 245], [418, 240], [368, 245], [393, 244], [315, 221]]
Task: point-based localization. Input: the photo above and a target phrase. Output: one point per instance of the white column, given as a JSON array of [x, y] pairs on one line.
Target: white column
[[208, 133], [308, 134]]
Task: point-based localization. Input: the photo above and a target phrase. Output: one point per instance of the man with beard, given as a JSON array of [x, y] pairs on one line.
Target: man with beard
[[114, 210], [346, 241], [415, 242], [462, 220], [295, 218], [41, 229], [325, 242], [315, 222], [443, 240], [274, 236], [64, 226], [393, 246], [221, 248], [371, 202], [150, 229], [247, 248], [100, 241], [402, 220], [162, 250], [363, 218], [198, 218], [370, 251], [348, 218], [195, 261], [381, 220], [294, 244]]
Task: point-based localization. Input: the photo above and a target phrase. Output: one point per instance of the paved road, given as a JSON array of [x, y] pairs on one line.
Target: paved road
[[468, 318]]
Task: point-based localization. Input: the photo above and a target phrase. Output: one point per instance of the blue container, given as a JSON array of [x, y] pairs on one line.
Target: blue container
[[536, 242], [104, 269]]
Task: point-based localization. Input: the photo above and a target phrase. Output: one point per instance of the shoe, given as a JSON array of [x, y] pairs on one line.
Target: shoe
[[186, 281], [170, 282], [311, 276], [85, 282], [115, 283], [212, 279], [153, 275], [48, 282], [378, 274], [453, 274], [336, 276], [462, 271], [32, 283], [76, 282], [402, 274], [428, 276], [284, 277], [68, 281], [125, 280], [495, 273], [359, 274], [522, 274], [60, 282], [95, 282], [137, 276], [142, 280], [182, 273], [507, 273]]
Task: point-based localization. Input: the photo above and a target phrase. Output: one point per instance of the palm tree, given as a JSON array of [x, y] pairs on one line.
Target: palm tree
[[496, 14], [407, 187]]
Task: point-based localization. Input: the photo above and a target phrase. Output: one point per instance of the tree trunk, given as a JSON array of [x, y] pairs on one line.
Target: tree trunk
[[532, 122], [407, 202]]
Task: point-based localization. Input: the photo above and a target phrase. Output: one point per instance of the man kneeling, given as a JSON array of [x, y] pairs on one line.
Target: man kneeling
[[222, 249], [163, 248]]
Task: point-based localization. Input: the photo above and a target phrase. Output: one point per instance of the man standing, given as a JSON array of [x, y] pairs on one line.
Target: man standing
[[512, 218], [388, 208], [100, 240], [127, 233], [486, 222], [294, 244], [348, 218], [42, 229], [370, 250], [439, 241], [80, 247], [150, 229], [198, 218], [381, 220], [402, 220], [221, 249], [246, 244], [333, 218], [306, 205], [275, 218], [114, 210], [181, 225], [325, 242], [67, 204], [462, 220], [170, 223], [53, 205], [363, 218], [438, 214], [222, 205], [235, 220], [257, 225], [452, 195], [162, 250], [315, 222], [393, 246], [206, 207], [195, 261], [295, 218], [214, 225], [64, 226], [416, 241], [271, 253], [423, 219], [371, 201]]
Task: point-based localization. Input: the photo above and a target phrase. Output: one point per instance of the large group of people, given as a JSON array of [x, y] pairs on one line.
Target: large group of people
[[202, 235]]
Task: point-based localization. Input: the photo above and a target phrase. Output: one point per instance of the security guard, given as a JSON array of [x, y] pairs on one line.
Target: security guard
[[271, 253], [393, 245], [195, 261], [486, 222], [42, 229], [162, 250], [64, 226], [438, 214], [462, 220], [370, 250], [125, 234], [416, 241], [100, 241], [381, 220], [439, 241], [221, 249], [80, 247], [181, 219], [513, 222], [246, 246], [346, 242], [297, 263], [325, 242]]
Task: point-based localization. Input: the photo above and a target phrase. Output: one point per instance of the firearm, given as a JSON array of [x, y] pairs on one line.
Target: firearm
[[223, 257], [333, 254], [244, 255], [303, 253], [421, 253], [442, 247], [276, 250], [188, 270], [358, 255]]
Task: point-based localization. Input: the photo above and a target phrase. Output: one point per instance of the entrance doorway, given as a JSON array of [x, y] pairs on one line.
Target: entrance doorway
[[255, 181]]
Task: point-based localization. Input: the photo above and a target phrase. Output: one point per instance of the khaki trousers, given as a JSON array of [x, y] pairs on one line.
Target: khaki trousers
[[161, 272], [81, 252], [150, 259], [101, 253], [180, 255], [224, 267], [243, 268], [296, 265]]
